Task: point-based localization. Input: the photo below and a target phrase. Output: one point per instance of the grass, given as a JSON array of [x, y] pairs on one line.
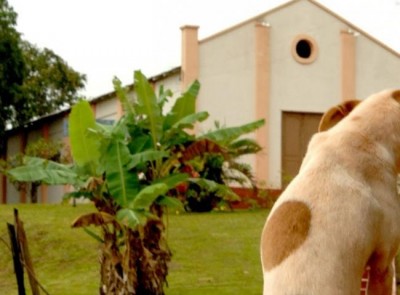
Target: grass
[[213, 253]]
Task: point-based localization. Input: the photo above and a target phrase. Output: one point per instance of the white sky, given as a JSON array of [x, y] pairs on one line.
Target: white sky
[[104, 38]]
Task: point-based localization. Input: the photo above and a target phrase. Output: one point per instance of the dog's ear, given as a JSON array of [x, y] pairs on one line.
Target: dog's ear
[[336, 114], [396, 95]]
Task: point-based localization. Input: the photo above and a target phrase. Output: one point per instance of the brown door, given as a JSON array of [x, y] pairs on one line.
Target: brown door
[[297, 129]]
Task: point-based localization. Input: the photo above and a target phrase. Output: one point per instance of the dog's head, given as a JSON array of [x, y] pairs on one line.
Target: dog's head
[[377, 117]]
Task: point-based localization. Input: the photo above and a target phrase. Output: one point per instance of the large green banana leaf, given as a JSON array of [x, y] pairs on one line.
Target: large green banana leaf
[[145, 198], [183, 107], [84, 148], [220, 190], [146, 156], [123, 97], [148, 107], [48, 172], [116, 156], [244, 146], [139, 207], [122, 184], [172, 134], [172, 180], [227, 135], [189, 120]]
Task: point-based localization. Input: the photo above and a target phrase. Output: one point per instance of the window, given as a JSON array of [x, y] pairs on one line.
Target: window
[[304, 49]]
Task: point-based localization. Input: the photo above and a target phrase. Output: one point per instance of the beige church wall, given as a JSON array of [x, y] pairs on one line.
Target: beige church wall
[[376, 68], [227, 77], [226, 74], [298, 87]]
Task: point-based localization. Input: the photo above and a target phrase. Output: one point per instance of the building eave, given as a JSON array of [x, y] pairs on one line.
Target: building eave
[[106, 96]]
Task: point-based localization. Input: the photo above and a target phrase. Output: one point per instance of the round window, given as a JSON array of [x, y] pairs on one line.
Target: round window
[[304, 49]]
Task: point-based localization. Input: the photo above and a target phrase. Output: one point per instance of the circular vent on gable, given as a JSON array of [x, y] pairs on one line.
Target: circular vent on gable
[[304, 49]]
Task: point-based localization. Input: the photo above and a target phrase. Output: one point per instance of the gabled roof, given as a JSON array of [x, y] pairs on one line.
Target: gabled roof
[[313, 2]]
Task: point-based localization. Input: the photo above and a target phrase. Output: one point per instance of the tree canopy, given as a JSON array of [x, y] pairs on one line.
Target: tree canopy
[[33, 81], [12, 65], [49, 83]]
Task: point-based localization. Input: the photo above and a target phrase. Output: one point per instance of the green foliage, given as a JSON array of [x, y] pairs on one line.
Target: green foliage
[[33, 81], [148, 108], [39, 163], [8, 17], [43, 171], [183, 108], [13, 68], [50, 83], [133, 169], [227, 135], [46, 149], [84, 148], [216, 156], [145, 198]]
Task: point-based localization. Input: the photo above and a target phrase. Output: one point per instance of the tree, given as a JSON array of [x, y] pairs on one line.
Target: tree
[[12, 66], [50, 84], [33, 81]]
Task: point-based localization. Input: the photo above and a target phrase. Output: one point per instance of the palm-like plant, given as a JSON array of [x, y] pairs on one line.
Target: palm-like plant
[[216, 156], [130, 171]]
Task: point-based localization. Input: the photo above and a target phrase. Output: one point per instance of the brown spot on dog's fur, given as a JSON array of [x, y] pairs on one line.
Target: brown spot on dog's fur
[[285, 231]]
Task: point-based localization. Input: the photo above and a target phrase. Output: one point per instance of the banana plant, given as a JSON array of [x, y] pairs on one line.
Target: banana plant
[[131, 171]]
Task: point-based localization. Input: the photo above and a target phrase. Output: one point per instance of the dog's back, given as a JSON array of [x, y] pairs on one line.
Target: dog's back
[[340, 212]]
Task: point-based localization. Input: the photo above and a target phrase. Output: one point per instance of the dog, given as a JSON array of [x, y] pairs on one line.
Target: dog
[[340, 214]]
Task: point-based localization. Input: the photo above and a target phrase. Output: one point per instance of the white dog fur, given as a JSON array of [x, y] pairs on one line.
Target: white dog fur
[[341, 213]]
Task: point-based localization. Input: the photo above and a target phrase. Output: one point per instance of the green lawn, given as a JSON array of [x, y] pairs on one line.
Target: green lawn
[[213, 253]]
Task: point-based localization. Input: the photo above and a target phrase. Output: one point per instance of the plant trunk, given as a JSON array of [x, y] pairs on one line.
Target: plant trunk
[[34, 192], [138, 267]]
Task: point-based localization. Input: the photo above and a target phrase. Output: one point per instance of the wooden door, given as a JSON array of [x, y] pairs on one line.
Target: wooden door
[[297, 130]]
